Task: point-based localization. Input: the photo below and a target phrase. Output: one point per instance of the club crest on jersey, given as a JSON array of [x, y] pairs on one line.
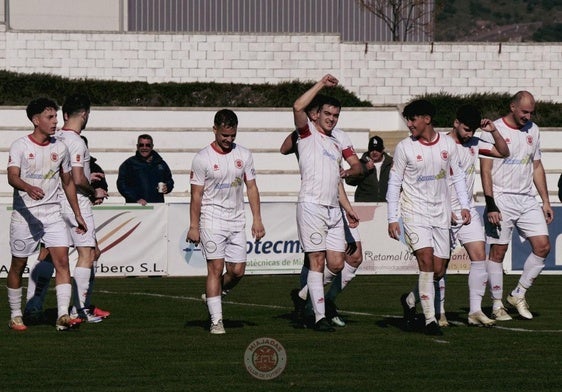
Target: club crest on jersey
[[529, 140], [216, 167], [238, 163], [444, 155], [472, 151], [508, 140], [54, 156], [419, 158]]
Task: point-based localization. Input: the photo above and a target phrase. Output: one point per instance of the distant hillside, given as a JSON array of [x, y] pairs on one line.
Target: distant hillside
[[499, 21]]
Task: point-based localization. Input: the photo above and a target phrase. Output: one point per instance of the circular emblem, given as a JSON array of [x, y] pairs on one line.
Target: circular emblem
[[211, 246], [238, 163], [265, 358], [444, 155], [54, 156], [412, 238], [316, 238]]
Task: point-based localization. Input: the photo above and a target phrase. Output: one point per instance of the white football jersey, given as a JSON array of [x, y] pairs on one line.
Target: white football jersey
[[79, 157], [423, 170], [468, 154], [514, 174], [320, 158], [40, 165], [223, 176]]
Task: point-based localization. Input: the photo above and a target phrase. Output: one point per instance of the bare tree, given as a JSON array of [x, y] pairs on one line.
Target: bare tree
[[402, 17]]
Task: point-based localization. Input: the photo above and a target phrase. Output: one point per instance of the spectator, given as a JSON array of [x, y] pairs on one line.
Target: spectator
[[372, 183], [140, 175]]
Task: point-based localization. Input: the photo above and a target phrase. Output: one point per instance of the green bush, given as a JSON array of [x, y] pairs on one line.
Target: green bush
[[492, 106], [19, 89]]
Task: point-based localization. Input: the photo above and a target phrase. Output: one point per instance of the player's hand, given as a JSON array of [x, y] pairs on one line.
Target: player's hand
[[548, 213], [466, 218], [193, 236], [142, 202], [329, 80], [495, 218], [394, 230], [487, 125], [258, 231], [352, 219], [82, 227], [35, 193]]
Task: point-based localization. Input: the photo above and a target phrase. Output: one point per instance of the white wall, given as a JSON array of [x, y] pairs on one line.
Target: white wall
[[383, 73], [96, 15]]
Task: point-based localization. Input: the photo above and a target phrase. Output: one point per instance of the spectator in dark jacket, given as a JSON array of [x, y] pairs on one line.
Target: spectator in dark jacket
[[145, 177], [560, 188], [373, 182]]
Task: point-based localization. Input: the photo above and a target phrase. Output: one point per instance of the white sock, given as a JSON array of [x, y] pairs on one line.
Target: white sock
[[82, 280], [427, 294], [329, 276], [531, 269], [303, 276], [347, 275], [439, 301], [14, 299], [31, 281], [64, 292], [495, 278], [411, 298], [316, 292], [214, 304], [477, 281]]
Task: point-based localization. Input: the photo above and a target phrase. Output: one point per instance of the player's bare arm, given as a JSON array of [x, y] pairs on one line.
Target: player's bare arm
[[258, 230], [493, 213], [69, 189], [500, 149], [193, 234], [299, 107], [539, 179], [14, 179]]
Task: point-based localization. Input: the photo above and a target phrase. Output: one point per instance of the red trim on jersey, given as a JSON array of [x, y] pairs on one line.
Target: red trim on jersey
[[39, 144], [509, 126], [218, 150], [304, 132], [422, 141]]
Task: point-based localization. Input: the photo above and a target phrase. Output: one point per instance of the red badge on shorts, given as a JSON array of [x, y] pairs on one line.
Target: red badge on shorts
[[77, 157]]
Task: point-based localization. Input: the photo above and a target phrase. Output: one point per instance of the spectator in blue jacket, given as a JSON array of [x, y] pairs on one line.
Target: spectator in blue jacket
[[145, 177]]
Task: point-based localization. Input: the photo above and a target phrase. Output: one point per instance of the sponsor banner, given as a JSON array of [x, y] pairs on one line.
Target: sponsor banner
[[132, 240], [150, 241]]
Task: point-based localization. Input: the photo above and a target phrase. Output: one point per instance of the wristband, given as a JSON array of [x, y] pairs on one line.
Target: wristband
[[491, 204]]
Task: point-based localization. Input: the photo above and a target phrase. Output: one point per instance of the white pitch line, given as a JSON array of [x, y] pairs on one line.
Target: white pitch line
[[198, 299]]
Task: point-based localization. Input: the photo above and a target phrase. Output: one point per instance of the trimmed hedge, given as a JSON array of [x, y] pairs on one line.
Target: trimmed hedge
[[19, 89]]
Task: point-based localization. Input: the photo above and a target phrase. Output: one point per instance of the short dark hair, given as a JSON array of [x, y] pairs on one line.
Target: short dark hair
[[470, 116], [226, 118], [145, 136], [38, 105], [419, 107], [316, 103], [330, 101], [76, 103]]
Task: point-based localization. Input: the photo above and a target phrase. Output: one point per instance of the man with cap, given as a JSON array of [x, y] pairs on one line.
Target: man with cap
[[372, 183]]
